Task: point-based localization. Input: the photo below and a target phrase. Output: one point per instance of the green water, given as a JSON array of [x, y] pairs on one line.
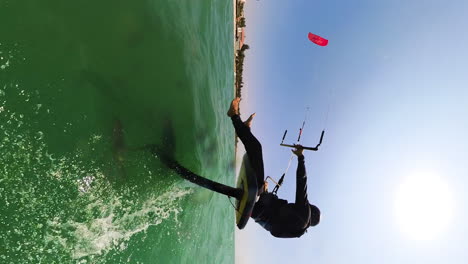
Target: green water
[[83, 85]]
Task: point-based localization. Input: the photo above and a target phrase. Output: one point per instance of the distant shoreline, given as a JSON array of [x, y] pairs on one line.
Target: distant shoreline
[[238, 51]]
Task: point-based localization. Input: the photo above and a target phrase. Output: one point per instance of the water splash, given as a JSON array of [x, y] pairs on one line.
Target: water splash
[[113, 229], [65, 208]]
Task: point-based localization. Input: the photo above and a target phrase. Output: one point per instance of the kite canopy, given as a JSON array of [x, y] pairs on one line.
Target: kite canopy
[[318, 40]]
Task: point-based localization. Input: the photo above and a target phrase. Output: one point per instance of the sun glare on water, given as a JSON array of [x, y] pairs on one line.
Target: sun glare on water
[[424, 206]]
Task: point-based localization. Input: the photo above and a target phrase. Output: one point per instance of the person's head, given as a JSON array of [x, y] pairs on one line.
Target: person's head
[[314, 215]]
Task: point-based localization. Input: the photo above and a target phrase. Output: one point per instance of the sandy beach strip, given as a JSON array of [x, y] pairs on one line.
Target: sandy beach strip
[[234, 50], [234, 30]]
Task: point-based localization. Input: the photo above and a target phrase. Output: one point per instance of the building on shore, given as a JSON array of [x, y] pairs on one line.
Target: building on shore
[[241, 39]]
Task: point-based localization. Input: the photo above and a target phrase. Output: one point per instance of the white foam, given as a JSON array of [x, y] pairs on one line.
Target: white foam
[[111, 232]]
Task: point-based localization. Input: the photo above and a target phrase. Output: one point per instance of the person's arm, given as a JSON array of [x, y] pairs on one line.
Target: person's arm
[[301, 178]]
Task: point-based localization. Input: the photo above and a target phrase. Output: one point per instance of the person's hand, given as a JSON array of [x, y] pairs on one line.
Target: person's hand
[[265, 186], [298, 150]]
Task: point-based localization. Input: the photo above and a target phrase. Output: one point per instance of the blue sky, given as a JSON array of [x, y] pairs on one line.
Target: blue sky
[[394, 74]]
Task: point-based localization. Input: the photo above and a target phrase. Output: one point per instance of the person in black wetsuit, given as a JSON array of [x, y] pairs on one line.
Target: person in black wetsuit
[[280, 218]]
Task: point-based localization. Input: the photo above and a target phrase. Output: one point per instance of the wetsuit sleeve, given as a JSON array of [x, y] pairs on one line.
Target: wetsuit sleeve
[[301, 182], [292, 220]]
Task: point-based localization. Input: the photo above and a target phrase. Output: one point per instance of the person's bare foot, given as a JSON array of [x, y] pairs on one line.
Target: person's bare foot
[[234, 108], [248, 122]]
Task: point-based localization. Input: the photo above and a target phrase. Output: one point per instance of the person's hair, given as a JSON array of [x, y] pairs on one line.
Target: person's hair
[[314, 215]]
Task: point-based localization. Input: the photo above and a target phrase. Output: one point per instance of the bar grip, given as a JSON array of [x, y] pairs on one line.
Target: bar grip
[[321, 137], [284, 136]]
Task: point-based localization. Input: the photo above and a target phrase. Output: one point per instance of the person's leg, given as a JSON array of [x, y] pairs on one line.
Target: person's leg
[[251, 144], [252, 147], [245, 135]]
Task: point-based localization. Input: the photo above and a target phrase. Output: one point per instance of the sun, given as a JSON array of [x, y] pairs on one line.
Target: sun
[[423, 206]]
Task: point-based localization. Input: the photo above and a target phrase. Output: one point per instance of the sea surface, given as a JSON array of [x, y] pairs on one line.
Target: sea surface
[[86, 88]]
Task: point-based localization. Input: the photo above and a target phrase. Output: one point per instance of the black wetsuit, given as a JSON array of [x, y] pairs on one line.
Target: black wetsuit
[[281, 218], [252, 147], [276, 215]]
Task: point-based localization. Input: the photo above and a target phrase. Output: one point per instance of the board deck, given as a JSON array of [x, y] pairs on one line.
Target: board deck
[[247, 181]]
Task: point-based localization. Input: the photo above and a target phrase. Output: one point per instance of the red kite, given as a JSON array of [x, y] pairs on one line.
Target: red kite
[[318, 40]]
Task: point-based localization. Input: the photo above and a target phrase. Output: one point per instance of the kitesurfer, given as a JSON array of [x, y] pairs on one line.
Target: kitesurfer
[[280, 218]]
